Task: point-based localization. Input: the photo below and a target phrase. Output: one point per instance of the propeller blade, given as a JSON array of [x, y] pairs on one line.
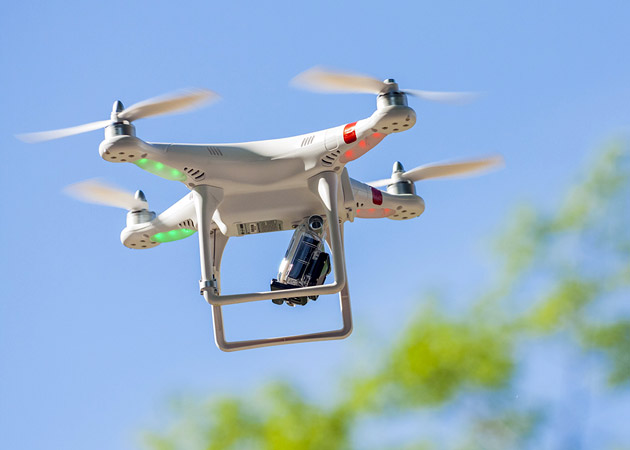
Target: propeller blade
[[379, 183], [325, 80], [453, 169], [170, 103], [63, 132], [443, 97], [184, 100], [94, 191], [447, 169]]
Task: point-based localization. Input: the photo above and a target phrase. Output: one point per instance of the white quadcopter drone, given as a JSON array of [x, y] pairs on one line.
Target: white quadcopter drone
[[298, 183]]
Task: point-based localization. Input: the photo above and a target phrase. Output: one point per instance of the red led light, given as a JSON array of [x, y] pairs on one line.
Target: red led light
[[349, 135], [374, 213], [377, 196], [362, 143]]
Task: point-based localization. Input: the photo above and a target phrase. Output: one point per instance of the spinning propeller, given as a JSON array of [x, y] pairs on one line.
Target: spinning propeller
[[323, 80], [170, 103], [94, 191], [441, 170]]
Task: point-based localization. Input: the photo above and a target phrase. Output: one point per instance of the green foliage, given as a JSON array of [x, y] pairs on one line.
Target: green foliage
[[510, 429], [436, 357], [614, 341], [292, 422], [518, 243], [223, 423], [562, 306], [283, 419], [556, 270], [588, 204]]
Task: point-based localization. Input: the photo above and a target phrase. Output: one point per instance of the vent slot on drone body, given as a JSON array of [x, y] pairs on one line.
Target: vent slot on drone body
[[330, 157], [197, 174], [215, 151], [308, 140], [188, 223]]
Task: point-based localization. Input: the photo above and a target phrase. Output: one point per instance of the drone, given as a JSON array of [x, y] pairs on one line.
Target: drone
[[299, 183]]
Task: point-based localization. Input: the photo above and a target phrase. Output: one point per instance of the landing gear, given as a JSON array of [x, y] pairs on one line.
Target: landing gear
[[211, 245]]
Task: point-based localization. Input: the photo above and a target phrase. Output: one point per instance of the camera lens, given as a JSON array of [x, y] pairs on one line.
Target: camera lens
[[315, 223]]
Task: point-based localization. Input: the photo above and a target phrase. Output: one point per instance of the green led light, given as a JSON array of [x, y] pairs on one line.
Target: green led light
[[172, 235], [160, 169]]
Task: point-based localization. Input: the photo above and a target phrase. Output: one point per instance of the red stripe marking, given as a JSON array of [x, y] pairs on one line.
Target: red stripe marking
[[377, 196], [349, 135]]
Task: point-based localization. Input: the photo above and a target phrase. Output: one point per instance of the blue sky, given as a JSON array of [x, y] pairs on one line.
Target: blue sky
[[94, 337]]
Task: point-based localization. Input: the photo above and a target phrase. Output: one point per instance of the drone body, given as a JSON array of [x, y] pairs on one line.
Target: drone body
[[266, 186], [264, 183]]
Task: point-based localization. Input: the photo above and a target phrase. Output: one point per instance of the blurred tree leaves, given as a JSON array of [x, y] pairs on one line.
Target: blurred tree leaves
[[557, 272], [510, 429], [436, 357], [614, 341], [562, 305], [279, 419]]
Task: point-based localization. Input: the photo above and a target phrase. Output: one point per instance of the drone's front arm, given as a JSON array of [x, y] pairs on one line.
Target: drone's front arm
[[335, 147], [155, 158], [356, 139], [144, 230]]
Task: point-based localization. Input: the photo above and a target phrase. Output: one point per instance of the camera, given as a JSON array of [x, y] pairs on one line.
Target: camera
[[305, 263]]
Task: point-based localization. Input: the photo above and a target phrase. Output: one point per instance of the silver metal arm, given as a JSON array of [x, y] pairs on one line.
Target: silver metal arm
[[212, 242]]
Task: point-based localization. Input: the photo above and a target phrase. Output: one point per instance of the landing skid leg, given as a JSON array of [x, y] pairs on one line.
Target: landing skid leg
[[212, 243]]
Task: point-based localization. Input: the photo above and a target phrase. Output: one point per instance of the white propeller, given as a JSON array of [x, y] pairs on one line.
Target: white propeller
[[445, 169], [95, 191], [444, 97], [41, 136], [170, 103], [325, 80]]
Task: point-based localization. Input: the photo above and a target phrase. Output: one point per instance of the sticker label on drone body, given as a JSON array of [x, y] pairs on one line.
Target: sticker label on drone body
[[349, 135], [377, 196]]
